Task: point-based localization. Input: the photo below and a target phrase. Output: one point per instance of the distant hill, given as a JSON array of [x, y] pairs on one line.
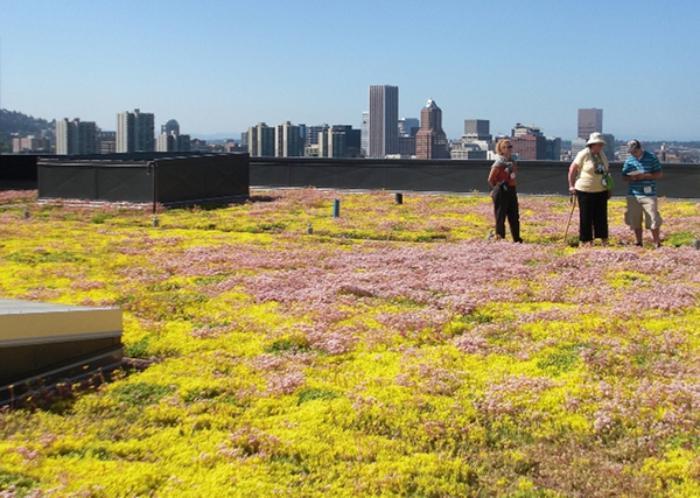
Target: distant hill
[[17, 122]]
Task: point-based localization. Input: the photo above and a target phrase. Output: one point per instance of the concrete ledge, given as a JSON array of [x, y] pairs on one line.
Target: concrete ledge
[[36, 338], [34, 323]]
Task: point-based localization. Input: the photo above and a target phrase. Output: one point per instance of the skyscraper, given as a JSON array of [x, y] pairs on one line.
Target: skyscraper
[[431, 141], [312, 134], [76, 137], [339, 141], [408, 127], [166, 142], [364, 134], [529, 143], [383, 120], [477, 129], [288, 141], [172, 126], [609, 148], [170, 139], [107, 142], [589, 121], [261, 140], [135, 132]]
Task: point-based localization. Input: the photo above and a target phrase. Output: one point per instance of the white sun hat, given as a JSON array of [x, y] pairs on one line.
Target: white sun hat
[[596, 138]]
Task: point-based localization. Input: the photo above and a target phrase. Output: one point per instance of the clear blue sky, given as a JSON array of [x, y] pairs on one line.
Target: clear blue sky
[[220, 66]]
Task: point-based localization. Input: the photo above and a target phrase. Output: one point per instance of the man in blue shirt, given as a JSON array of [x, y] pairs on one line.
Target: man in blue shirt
[[641, 170]]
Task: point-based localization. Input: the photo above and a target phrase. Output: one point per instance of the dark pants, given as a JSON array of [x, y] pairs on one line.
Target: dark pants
[[505, 205], [593, 215]]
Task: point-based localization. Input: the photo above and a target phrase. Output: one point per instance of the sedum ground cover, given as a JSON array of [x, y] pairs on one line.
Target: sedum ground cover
[[393, 351]]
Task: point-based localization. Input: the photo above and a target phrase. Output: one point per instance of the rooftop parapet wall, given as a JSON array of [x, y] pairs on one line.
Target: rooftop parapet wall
[[535, 177]]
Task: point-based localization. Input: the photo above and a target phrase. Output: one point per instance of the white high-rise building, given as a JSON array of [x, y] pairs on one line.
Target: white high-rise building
[[383, 120], [261, 140], [76, 137], [288, 141], [135, 132]]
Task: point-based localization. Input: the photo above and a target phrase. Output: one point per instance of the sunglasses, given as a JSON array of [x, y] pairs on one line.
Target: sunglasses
[[509, 147]]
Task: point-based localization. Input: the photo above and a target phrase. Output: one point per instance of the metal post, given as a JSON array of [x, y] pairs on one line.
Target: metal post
[[399, 198], [336, 208], [152, 166]]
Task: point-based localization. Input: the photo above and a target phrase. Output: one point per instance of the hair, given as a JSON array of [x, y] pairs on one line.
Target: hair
[[501, 145], [634, 145]]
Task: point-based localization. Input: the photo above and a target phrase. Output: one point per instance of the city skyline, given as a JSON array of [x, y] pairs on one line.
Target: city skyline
[[545, 86]]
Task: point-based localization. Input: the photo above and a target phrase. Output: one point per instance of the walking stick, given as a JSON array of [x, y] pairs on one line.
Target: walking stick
[[572, 200]]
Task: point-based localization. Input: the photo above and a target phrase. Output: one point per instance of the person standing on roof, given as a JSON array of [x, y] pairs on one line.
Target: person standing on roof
[[641, 170], [505, 198], [588, 182]]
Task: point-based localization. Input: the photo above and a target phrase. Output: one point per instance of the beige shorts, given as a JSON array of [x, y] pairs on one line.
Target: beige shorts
[[642, 206]]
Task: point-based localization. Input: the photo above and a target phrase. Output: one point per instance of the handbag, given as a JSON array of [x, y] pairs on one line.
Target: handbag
[[609, 182]]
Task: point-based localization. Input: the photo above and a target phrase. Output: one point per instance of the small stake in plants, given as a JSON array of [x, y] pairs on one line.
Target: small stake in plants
[[155, 222], [399, 198], [309, 229], [336, 208]]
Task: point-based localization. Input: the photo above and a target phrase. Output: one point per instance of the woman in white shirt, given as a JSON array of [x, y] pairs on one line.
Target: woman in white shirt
[[588, 181]]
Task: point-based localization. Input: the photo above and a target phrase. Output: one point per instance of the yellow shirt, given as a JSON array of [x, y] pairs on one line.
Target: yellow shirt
[[588, 180]]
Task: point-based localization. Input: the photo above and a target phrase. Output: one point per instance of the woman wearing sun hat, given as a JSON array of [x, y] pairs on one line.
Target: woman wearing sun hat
[[588, 180]]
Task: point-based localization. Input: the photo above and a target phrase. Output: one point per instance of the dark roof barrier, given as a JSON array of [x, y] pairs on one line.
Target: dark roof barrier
[[535, 177], [17, 172], [142, 178]]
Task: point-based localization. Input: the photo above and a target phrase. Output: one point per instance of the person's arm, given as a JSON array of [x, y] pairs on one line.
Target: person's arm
[[655, 172], [644, 176], [573, 172], [492, 175], [627, 168]]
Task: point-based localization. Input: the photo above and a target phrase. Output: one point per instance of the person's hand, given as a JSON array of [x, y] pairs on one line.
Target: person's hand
[[572, 190]]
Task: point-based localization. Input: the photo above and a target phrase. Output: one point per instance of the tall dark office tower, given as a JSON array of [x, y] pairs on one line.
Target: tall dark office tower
[[135, 132], [383, 120], [431, 141], [589, 121], [76, 137]]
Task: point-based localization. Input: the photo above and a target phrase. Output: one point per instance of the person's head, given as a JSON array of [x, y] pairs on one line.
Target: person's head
[[635, 148], [596, 143], [504, 147]]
